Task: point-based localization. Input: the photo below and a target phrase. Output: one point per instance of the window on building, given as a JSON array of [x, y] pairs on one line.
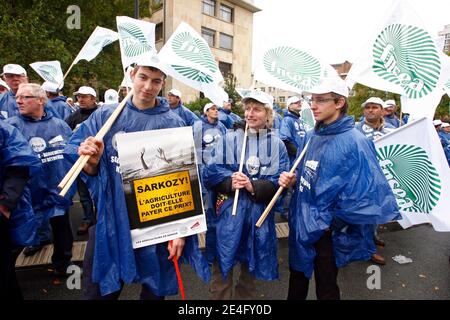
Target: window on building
[[226, 13], [282, 99], [159, 31], [225, 68], [263, 89], [209, 7], [226, 41], [209, 35]]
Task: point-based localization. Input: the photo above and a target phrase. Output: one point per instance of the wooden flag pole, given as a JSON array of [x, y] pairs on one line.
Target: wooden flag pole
[[241, 165], [280, 190], [81, 162]]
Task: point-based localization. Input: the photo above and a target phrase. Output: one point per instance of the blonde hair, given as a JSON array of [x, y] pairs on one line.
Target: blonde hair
[[269, 110]]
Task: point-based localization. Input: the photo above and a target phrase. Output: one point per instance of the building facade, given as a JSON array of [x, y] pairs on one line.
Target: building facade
[[446, 35], [227, 26]]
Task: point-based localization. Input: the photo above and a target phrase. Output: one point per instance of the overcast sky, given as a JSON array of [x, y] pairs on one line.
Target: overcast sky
[[333, 30]]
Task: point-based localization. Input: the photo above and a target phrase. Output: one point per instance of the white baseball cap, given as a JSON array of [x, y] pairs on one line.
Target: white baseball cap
[[175, 92], [445, 125], [14, 69], [260, 97], [374, 100], [330, 84], [437, 122], [389, 103], [208, 106], [3, 84], [111, 96], [50, 87], [292, 100], [86, 90]]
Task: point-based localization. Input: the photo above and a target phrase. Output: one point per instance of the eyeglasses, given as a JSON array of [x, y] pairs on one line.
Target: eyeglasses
[[24, 97], [320, 101]]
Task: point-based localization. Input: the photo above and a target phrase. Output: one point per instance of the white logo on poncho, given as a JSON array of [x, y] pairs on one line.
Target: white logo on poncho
[[253, 164], [38, 144]]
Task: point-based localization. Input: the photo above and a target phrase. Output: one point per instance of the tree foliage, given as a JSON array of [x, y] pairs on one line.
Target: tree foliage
[[36, 30]]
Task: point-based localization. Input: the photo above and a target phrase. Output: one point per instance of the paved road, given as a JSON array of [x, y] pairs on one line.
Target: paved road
[[427, 277]]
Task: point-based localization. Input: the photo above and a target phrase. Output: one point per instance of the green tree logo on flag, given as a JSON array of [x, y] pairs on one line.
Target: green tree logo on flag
[[406, 56], [133, 40], [196, 51], [48, 72], [102, 42], [293, 67], [412, 177]]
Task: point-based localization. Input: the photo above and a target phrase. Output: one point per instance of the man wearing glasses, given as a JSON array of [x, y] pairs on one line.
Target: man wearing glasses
[[47, 136], [14, 75], [340, 193]]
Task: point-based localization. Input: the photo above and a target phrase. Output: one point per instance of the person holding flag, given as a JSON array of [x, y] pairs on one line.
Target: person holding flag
[[114, 262], [235, 239], [61, 108], [226, 116], [340, 193]]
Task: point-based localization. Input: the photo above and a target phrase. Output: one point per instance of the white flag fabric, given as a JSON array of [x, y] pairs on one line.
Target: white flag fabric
[[99, 39], [49, 71], [307, 116], [126, 81], [292, 69], [416, 168], [243, 92], [137, 41], [402, 57], [189, 60]]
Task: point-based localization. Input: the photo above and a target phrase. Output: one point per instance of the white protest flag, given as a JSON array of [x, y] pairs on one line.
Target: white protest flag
[[416, 168], [49, 71], [99, 39], [126, 81], [137, 41], [289, 68], [190, 61], [243, 92], [402, 57], [307, 116]]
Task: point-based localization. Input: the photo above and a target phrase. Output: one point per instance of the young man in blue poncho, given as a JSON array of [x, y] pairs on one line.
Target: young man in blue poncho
[[17, 223], [340, 193], [236, 239], [110, 260], [47, 136]]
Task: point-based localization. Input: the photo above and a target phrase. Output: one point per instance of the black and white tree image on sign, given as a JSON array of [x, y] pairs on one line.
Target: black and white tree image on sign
[[161, 185]]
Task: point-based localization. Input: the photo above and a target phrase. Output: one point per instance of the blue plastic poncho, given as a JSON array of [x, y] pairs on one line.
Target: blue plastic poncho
[[206, 136], [15, 151], [114, 258], [184, 113], [374, 133], [236, 239], [8, 105], [228, 118], [60, 107], [48, 138], [293, 130], [340, 186]]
